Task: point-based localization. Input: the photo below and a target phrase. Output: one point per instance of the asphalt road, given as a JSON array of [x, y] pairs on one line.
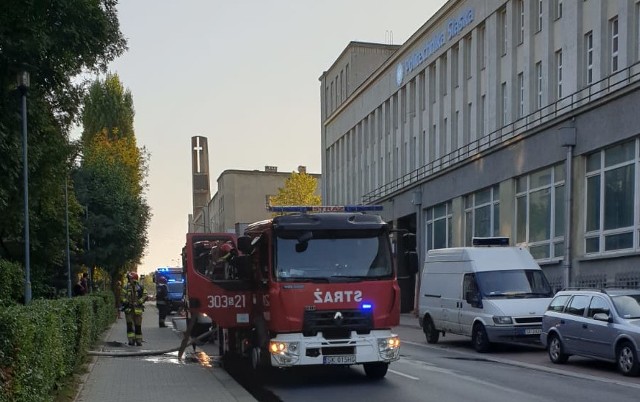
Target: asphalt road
[[451, 371]]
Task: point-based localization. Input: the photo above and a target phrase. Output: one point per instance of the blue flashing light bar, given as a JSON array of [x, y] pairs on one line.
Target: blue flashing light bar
[[324, 208], [366, 306]]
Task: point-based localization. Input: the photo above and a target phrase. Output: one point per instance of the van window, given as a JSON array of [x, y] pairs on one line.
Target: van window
[[514, 283], [469, 285]]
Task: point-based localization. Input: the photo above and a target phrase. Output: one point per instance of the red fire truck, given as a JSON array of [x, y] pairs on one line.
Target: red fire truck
[[315, 286]]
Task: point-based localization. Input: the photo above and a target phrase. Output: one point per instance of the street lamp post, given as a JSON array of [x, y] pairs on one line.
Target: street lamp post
[[23, 87], [66, 221]]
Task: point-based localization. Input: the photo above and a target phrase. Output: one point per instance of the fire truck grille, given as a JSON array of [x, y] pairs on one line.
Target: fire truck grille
[[337, 323]]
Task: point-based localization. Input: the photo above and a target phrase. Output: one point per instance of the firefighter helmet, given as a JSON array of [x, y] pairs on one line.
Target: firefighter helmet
[[226, 248], [133, 276]]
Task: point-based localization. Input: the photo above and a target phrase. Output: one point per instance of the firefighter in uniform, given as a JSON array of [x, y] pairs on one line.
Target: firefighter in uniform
[[162, 291], [133, 297]]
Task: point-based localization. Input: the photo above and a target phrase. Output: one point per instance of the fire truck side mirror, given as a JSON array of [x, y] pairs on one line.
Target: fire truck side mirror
[[244, 244]]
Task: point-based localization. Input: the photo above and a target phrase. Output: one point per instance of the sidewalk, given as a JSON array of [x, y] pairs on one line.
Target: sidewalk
[[156, 378], [409, 320]]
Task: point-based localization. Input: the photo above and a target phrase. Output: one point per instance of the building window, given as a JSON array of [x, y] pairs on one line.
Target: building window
[[332, 98], [539, 19], [504, 32], [588, 45], [521, 95], [438, 226], [505, 101], [327, 99], [432, 83], [559, 73], [346, 79], [482, 214], [443, 74], [539, 85], [521, 21], [467, 124], [481, 112], [341, 86], [638, 28], [454, 130], [613, 29], [467, 56], [454, 66], [421, 90], [558, 9], [482, 34], [540, 212], [611, 218]]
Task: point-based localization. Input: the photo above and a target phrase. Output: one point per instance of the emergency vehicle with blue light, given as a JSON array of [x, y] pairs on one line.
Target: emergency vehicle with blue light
[[175, 286], [315, 285]]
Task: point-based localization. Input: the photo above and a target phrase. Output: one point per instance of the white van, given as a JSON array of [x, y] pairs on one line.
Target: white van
[[490, 293]]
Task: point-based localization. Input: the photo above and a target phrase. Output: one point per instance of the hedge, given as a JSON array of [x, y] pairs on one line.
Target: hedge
[[41, 344], [11, 283]]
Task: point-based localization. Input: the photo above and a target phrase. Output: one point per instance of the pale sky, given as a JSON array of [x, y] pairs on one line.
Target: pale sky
[[243, 73]]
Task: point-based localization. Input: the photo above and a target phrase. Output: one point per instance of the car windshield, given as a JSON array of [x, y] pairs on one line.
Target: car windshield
[[327, 256], [627, 306], [513, 283]]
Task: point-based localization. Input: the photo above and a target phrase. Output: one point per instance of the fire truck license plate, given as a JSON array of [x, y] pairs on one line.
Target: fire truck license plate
[[346, 359]]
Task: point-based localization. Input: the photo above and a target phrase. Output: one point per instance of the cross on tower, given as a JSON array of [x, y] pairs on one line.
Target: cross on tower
[[198, 149]]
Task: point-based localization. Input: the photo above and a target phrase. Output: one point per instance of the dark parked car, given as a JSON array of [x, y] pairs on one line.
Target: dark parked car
[[601, 324]]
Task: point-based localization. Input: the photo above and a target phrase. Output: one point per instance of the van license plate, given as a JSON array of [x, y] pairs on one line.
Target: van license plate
[[533, 331], [346, 359]]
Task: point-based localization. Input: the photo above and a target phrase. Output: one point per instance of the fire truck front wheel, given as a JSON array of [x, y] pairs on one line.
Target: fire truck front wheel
[[376, 371], [260, 360]]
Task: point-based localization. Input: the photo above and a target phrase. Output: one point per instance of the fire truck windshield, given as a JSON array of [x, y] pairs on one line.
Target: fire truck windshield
[[326, 256]]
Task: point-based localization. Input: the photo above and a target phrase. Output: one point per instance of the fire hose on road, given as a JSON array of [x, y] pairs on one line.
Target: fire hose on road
[[185, 342]]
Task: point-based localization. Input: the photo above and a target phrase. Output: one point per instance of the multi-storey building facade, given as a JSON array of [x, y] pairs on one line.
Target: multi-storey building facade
[[242, 197], [516, 118]]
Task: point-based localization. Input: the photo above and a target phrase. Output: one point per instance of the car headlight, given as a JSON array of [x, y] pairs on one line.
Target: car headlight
[[285, 353], [502, 320], [389, 348]]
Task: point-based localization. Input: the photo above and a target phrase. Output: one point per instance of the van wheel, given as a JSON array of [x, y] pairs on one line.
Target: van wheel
[[556, 350], [627, 359], [430, 330], [479, 338], [376, 371]]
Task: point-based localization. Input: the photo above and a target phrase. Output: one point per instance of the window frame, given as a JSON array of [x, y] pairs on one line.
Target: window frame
[[554, 242], [559, 60], [588, 44], [614, 35], [472, 206], [600, 233], [431, 221]]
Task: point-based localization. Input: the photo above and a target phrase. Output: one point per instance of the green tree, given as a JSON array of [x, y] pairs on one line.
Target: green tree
[[299, 189], [107, 107], [111, 180], [54, 41]]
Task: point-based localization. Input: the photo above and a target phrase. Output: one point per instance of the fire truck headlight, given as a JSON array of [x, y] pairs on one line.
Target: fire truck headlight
[[389, 348], [285, 353]]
